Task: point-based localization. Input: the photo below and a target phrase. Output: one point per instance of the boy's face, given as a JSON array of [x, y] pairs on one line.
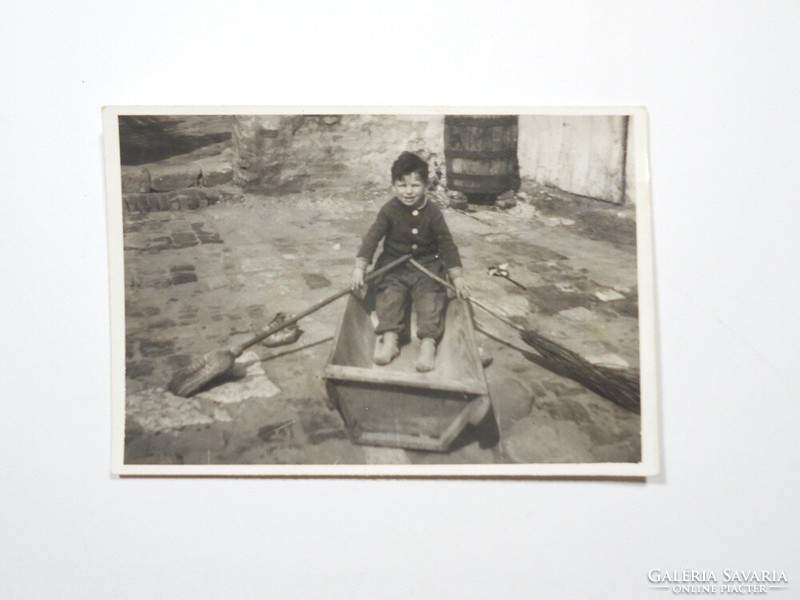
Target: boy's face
[[409, 188]]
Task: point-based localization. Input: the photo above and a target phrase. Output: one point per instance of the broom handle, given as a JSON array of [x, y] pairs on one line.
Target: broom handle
[[268, 331], [474, 301]]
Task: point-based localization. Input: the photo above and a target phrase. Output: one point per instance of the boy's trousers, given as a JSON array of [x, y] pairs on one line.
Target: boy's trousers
[[404, 287]]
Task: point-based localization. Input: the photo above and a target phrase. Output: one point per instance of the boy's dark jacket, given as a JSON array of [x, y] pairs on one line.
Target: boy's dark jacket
[[419, 230]]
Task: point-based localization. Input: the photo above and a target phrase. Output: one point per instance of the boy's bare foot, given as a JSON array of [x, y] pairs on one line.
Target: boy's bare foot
[[386, 348], [427, 355]]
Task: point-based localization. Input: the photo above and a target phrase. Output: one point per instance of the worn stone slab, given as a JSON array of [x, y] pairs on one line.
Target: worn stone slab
[[255, 384], [178, 224], [566, 287], [135, 241], [505, 203], [514, 305], [579, 314], [139, 368], [184, 240], [216, 282], [219, 174], [182, 267], [248, 357], [156, 409], [496, 238], [609, 360], [159, 243], [531, 441], [512, 400], [609, 295], [198, 197], [135, 180], [181, 277], [316, 281], [167, 178], [151, 348], [549, 221], [457, 200], [258, 263], [222, 415], [523, 196], [385, 456], [145, 202], [522, 212]]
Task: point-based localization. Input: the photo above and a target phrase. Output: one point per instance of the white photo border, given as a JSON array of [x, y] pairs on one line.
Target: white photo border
[[650, 462]]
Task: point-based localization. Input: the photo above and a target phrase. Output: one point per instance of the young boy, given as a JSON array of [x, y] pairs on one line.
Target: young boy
[[409, 224]]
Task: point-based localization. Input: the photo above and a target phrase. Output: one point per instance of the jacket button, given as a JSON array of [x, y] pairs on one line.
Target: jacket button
[[415, 231], [415, 212], [413, 246]]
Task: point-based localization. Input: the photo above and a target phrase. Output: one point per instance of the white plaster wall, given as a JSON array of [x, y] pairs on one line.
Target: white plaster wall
[[579, 154]]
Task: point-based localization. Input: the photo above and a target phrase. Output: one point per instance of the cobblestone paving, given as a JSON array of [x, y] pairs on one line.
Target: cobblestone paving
[[200, 280]]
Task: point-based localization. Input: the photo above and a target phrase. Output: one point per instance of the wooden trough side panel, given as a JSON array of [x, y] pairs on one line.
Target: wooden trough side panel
[[457, 355], [355, 338], [403, 417], [422, 381]]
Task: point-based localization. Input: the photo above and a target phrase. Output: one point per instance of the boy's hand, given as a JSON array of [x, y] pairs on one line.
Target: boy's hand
[[357, 279], [462, 291]]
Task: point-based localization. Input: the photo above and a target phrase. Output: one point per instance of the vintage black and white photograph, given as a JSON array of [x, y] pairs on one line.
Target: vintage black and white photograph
[[381, 291], [416, 300]]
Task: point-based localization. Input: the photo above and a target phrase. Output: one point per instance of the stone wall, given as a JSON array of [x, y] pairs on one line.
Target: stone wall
[[280, 154], [184, 182], [294, 153]]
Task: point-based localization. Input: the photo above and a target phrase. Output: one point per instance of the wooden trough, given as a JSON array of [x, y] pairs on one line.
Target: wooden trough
[[396, 406]]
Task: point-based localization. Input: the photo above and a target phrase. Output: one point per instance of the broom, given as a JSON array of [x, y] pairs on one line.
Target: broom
[[621, 386], [215, 364]]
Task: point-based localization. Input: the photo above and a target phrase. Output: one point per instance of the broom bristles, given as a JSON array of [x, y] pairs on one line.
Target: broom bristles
[[618, 385], [200, 372], [621, 386]]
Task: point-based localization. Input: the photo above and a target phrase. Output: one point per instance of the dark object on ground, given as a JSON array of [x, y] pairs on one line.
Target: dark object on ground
[[486, 356], [287, 336], [621, 386], [457, 200], [482, 199], [213, 365], [505, 203], [501, 271]]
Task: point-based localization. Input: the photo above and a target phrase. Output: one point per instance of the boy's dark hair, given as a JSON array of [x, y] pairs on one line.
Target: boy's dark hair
[[408, 163]]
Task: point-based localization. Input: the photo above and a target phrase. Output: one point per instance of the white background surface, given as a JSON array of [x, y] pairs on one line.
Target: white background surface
[[720, 80]]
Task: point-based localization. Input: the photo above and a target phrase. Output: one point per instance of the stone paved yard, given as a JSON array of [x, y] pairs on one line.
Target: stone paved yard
[[198, 280]]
